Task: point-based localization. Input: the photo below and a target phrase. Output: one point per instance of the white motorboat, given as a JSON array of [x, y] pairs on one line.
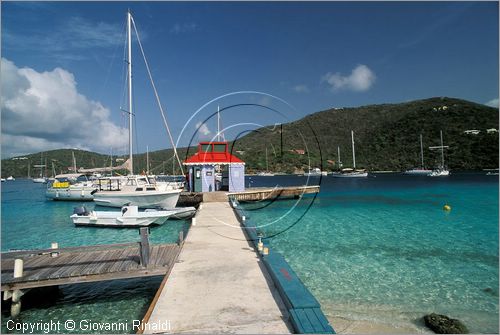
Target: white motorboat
[[129, 216], [71, 187], [11, 178], [41, 180], [135, 190], [3, 179], [493, 172], [351, 172], [421, 171], [183, 213], [441, 171]]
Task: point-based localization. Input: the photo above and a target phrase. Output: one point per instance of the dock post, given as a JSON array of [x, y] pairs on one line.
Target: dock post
[[15, 307], [144, 246], [181, 237], [54, 245]]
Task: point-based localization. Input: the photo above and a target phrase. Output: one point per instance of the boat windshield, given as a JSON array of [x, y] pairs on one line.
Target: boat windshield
[[138, 181]]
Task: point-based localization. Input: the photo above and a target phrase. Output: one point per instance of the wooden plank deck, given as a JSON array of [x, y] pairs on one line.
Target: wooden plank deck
[[266, 193], [85, 264]]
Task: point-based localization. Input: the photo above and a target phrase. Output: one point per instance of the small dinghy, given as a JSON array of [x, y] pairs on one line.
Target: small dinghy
[[183, 213], [129, 216]]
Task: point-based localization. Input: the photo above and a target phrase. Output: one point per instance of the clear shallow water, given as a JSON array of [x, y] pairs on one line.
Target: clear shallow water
[[29, 221], [382, 249]]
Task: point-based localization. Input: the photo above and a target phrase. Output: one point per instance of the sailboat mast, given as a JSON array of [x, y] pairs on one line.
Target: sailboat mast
[[147, 160], [442, 149], [130, 112], [338, 157], [353, 153], [421, 152], [74, 161], [218, 123], [267, 162]]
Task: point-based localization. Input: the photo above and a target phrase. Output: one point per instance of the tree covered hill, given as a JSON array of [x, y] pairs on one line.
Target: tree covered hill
[[386, 137]]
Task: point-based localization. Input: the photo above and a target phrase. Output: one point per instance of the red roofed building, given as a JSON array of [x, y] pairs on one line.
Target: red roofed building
[[202, 169]]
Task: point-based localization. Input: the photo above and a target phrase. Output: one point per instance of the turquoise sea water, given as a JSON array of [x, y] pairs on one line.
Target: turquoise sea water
[[377, 249], [382, 249], [29, 221]]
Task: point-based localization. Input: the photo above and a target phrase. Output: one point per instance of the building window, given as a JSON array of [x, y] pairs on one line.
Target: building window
[[219, 147], [206, 148]]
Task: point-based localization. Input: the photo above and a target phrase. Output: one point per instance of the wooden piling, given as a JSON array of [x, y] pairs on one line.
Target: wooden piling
[[181, 237], [144, 246], [15, 307], [54, 245]]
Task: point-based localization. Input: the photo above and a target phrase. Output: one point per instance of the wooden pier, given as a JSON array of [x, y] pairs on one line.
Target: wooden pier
[[85, 264], [266, 193]]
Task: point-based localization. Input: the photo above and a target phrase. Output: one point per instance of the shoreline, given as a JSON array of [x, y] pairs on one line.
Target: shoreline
[[343, 325]]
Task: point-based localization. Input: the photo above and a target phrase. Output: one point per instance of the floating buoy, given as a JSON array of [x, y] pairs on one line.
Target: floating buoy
[[447, 208]]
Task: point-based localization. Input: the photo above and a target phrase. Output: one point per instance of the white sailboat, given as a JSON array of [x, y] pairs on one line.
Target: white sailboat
[[71, 187], [266, 173], [351, 172], [142, 191], [313, 172], [419, 170], [441, 171], [40, 179]]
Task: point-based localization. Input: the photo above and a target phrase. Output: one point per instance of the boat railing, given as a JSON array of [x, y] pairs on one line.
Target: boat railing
[[108, 184]]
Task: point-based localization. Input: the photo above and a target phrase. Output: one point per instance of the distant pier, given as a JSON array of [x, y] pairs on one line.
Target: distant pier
[[271, 193]]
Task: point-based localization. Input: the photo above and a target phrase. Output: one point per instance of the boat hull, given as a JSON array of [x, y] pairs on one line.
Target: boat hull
[[418, 172], [350, 175], [183, 213], [71, 194], [115, 219], [442, 173], [40, 180], [145, 199]]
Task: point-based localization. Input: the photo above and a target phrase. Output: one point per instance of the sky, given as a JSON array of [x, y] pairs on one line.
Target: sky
[[261, 63]]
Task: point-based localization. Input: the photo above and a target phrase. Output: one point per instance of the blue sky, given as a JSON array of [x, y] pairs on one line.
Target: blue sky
[[62, 64]]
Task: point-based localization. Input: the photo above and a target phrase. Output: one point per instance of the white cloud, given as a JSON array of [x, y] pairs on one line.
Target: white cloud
[[67, 39], [82, 33], [43, 111], [360, 79], [492, 103], [203, 129], [179, 28], [301, 89], [265, 100]]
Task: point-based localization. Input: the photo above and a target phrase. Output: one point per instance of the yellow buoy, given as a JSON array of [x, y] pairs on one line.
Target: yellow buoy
[[447, 207]]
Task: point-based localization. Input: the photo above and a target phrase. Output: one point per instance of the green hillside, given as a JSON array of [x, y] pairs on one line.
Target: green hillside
[[386, 136]]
